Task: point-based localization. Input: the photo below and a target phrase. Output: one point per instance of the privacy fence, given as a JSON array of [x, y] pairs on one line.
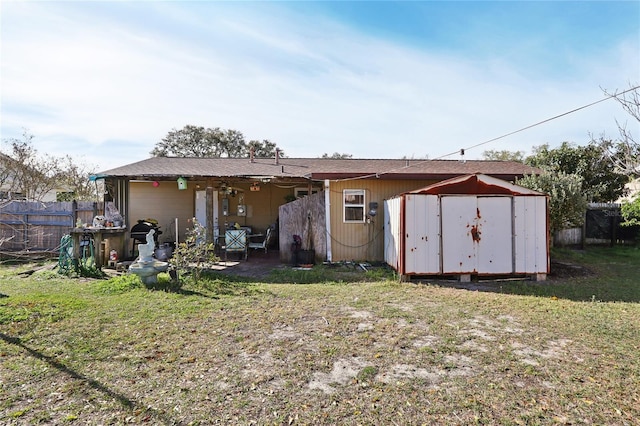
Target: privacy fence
[[602, 226], [37, 227]]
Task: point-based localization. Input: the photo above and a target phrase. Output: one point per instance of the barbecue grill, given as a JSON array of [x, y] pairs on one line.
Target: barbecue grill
[[140, 230]]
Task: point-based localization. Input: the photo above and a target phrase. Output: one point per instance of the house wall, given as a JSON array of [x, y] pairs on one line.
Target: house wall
[[358, 241], [262, 206], [165, 203]]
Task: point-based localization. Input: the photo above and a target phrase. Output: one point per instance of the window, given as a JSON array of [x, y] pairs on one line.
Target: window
[[353, 205], [303, 192]]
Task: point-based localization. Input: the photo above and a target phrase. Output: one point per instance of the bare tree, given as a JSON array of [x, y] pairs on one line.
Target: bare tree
[[625, 152], [28, 173], [25, 172], [75, 177]]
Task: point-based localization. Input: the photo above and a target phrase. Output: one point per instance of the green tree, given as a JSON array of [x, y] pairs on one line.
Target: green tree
[[197, 141], [337, 155], [264, 148], [504, 155], [630, 211], [600, 182], [567, 203]]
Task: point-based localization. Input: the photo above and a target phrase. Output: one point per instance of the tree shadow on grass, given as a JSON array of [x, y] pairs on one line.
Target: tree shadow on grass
[[120, 398]]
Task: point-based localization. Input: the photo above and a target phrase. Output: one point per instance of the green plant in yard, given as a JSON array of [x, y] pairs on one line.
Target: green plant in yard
[[195, 254], [119, 284], [631, 212]]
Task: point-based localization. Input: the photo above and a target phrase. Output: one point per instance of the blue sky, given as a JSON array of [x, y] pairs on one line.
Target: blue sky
[[105, 81]]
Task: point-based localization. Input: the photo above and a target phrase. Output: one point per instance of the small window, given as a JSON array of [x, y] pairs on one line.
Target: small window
[[303, 192], [353, 205]]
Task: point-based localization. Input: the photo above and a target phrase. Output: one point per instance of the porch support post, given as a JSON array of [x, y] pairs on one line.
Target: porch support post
[[208, 199], [327, 216]]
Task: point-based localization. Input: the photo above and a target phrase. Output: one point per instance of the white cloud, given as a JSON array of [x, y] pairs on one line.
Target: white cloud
[[110, 92]]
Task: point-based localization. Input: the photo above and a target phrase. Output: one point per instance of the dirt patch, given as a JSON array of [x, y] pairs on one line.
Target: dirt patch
[[560, 269]]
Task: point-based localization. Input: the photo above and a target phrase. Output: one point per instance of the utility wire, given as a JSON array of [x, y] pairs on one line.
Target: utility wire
[[540, 122], [497, 138]]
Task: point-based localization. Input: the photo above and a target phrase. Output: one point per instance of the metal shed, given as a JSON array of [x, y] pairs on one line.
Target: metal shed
[[469, 225]]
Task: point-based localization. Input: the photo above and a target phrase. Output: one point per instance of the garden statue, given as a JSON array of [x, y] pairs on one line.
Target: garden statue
[[145, 266]]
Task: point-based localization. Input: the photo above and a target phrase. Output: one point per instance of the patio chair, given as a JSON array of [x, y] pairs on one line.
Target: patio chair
[[235, 241], [264, 244]]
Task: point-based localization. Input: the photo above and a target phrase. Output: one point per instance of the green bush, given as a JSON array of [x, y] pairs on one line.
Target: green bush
[[120, 284]]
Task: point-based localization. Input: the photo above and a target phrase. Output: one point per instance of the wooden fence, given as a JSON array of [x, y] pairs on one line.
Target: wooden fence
[[601, 226], [304, 217], [27, 226]]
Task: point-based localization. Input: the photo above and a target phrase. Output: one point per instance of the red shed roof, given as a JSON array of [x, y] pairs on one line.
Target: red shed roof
[[475, 184]]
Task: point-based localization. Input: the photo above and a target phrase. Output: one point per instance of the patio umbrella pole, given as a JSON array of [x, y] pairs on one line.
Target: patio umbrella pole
[[176, 232]]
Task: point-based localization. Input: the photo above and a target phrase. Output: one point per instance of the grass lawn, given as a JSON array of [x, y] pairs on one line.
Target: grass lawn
[[316, 347]]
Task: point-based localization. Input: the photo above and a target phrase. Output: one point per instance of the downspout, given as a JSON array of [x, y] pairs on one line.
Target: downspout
[[327, 217]]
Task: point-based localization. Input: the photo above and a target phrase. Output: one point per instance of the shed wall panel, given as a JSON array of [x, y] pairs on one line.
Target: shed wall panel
[[530, 239], [422, 234]]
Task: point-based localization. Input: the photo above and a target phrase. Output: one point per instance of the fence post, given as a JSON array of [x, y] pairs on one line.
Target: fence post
[[25, 233], [74, 213], [583, 237]]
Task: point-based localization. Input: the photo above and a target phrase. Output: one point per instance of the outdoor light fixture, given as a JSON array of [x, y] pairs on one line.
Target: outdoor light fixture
[[373, 208]]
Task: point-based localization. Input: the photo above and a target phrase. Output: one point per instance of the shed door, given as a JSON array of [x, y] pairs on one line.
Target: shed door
[[495, 247], [476, 234]]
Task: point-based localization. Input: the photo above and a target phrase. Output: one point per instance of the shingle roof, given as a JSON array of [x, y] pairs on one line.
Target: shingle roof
[[314, 168]]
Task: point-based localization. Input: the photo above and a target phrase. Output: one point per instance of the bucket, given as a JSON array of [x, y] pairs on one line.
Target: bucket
[[307, 257], [164, 252]]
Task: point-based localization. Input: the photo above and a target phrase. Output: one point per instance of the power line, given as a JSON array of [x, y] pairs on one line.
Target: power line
[[541, 122], [499, 137]]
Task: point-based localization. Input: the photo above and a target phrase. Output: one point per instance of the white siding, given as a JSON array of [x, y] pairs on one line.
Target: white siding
[[530, 228], [458, 220], [422, 234], [495, 246], [466, 234], [392, 238]]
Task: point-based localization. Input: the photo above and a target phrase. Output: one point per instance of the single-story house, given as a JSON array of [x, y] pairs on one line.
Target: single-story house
[[334, 205]]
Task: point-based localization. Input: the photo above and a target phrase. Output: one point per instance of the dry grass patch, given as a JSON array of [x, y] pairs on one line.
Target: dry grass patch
[[364, 353]]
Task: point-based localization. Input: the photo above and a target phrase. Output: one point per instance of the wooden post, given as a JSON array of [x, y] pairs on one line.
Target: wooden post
[[74, 213], [208, 199]]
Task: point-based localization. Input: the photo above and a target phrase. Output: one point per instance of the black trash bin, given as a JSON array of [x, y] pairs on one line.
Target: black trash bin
[[296, 245]]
